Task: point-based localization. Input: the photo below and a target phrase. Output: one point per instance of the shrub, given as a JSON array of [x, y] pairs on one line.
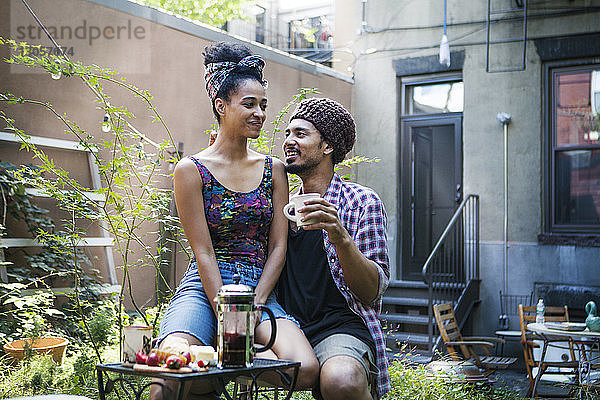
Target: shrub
[[416, 382]]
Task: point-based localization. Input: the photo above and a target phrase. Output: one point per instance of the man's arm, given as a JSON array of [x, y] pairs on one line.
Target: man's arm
[[360, 273], [365, 265]]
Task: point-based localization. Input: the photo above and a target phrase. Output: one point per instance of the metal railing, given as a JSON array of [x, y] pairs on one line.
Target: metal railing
[[452, 268]]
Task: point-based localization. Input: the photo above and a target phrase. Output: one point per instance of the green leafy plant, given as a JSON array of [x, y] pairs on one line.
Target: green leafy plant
[[29, 314], [411, 381], [133, 199], [211, 12]]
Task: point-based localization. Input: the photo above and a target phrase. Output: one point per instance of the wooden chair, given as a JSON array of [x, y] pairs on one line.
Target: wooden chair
[[527, 315], [446, 322]]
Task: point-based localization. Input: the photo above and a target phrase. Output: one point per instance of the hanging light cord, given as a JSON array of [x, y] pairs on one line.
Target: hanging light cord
[[445, 1], [45, 30]]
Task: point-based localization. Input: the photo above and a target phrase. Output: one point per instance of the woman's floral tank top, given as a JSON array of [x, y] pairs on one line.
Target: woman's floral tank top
[[239, 222]]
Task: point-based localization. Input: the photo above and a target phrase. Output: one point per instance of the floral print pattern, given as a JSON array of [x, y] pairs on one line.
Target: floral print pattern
[[239, 223]]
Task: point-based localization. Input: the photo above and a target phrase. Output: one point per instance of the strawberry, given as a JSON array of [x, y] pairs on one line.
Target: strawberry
[[174, 362]]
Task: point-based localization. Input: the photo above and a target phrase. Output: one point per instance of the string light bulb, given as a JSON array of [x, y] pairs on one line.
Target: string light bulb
[[56, 75], [445, 51], [106, 123]]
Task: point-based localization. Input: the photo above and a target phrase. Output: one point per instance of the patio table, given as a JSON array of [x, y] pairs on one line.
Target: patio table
[[581, 338], [214, 374]]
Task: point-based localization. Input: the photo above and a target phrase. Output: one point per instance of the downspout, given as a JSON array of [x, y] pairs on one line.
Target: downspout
[[363, 24], [504, 119]]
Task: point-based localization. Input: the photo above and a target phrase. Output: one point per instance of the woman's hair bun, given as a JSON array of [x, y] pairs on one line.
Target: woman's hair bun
[[222, 51]]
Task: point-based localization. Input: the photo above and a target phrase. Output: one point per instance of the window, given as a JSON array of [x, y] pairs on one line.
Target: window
[[573, 159], [434, 98], [260, 24], [312, 39]]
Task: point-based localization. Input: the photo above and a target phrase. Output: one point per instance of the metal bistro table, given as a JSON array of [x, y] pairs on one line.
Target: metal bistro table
[[580, 338], [219, 376]]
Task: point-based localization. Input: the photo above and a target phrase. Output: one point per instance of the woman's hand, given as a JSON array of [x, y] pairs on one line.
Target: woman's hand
[[257, 315]]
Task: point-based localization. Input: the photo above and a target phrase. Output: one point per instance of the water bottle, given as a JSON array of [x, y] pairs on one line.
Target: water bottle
[[539, 318]]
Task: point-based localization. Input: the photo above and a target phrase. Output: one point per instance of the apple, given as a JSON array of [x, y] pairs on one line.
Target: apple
[[141, 357], [153, 360]]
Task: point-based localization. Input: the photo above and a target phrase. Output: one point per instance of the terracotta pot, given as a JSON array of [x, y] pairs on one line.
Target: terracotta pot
[[55, 346]]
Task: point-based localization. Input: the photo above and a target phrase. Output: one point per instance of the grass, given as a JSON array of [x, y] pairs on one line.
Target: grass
[[416, 382], [40, 375]]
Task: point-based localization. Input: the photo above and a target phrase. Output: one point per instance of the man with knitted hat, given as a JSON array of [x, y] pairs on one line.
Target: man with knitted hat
[[337, 268]]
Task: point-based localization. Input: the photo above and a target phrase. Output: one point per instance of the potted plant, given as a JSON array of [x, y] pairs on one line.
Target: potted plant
[[31, 314], [55, 346]]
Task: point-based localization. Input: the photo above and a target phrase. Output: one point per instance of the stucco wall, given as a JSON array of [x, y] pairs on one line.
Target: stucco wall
[[167, 61], [389, 37]]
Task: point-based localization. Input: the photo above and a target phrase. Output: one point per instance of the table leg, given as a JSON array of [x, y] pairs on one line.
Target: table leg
[[101, 393], [180, 390], [222, 387], [540, 367], [289, 383], [293, 384]]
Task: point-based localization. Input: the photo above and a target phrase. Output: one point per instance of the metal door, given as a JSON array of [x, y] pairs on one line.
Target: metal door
[[431, 186]]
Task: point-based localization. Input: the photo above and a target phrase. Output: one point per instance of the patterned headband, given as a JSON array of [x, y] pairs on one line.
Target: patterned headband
[[216, 73]]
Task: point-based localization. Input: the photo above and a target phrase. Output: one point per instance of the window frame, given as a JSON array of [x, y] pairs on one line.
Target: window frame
[[421, 80], [550, 226], [404, 145]]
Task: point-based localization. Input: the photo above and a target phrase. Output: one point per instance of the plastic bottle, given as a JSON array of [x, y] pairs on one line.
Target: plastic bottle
[[539, 318]]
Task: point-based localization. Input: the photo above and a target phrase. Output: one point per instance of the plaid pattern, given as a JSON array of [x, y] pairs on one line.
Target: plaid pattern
[[362, 213], [216, 73]]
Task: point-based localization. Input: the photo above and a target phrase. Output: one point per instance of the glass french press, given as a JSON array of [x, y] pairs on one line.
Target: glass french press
[[236, 322]]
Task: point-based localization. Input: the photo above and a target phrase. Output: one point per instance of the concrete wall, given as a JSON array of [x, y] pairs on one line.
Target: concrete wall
[[411, 29], [166, 59]]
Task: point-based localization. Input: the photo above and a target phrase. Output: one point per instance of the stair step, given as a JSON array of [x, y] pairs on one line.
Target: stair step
[[409, 301], [405, 301], [405, 318], [449, 285], [408, 284], [410, 338]]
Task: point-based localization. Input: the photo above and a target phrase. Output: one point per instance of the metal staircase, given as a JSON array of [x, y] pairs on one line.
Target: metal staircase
[[450, 275]]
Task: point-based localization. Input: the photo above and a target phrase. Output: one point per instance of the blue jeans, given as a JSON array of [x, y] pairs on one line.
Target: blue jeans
[[190, 311]]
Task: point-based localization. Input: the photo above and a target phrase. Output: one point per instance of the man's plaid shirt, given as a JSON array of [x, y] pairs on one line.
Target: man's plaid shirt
[[362, 213]]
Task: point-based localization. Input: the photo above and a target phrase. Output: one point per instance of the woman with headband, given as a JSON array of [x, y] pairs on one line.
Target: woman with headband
[[230, 202]]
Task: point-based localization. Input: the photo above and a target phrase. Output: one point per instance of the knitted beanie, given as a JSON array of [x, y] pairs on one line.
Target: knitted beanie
[[332, 120]]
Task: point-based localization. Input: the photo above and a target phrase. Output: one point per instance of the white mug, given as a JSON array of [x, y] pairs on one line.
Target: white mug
[[297, 202], [135, 338]]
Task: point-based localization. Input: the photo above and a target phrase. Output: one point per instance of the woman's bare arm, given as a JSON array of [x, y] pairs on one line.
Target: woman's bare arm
[[277, 235], [190, 206]]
